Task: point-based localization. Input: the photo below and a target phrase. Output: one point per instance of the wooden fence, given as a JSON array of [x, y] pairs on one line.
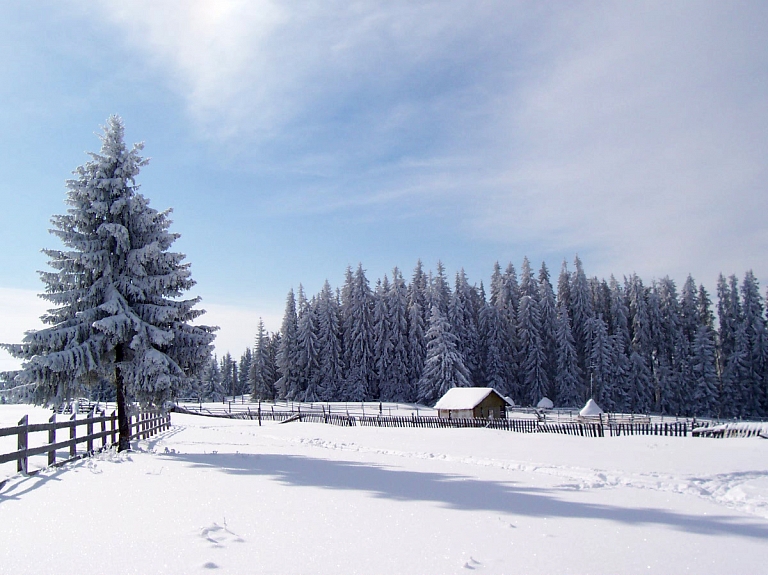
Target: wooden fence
[[99, 429], [741, 429], [587, 428]]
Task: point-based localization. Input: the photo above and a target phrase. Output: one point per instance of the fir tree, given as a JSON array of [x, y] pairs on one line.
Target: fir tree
[[394, 381], [417, 343], [640, 376], [439, 290], [532, 358], [228, 374], [243, 372], [494, 341], [564, 287], [382, 335], [548, 313], [116, 290], [600, 364], [729, 314], [211, 381], [463, 317], [568, 382], [581, 314], [359, 347], [619, 328], [444, 368], [753, 319], [307, 360], [507, 303], [705, 384], [329, 345], [260, 379], [528, 286], [289, 384]]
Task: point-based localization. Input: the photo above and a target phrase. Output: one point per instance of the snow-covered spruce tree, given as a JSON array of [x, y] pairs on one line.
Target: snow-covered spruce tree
[[532, 357], [753, 318], [381, 337], [581, 313], [494, 345], [463, 317], [548, 312], [307, 353], [329, 344], [261, 383], [619, 329], [507, 302], [600, 364], [640, 376], [417, 344], [116, 289], [444, 368], [394, 383], [212, 388], [244, 371], [228, 369], [568, 380], [288, 386], [360, 383], [705, 393]]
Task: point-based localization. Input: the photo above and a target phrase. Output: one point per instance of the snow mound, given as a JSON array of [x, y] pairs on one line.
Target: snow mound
[[590, 409], [545, 403]]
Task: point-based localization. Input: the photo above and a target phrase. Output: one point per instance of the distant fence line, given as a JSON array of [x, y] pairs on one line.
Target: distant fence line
[[592, 427], [98, 429]]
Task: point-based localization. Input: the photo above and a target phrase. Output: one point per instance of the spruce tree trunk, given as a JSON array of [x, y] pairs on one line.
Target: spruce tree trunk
[[123, 426]]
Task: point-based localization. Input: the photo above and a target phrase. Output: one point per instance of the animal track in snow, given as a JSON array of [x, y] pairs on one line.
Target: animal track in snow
[[220, 536]]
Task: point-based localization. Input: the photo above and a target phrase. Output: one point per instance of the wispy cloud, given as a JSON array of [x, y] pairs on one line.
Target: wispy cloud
[[641, 136], [635, 132]]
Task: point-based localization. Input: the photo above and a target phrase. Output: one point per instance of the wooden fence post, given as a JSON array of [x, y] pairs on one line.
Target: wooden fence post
[[73, 435], [22, 444], [89, 431], [112, 420], [52, 439]]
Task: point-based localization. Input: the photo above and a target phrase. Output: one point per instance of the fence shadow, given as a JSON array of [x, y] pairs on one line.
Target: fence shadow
[[461, 492]]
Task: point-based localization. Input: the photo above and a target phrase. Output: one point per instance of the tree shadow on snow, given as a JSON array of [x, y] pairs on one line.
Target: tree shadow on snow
[[461, 492]]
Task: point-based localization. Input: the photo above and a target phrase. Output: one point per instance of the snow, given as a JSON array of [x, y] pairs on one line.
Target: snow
[[545, 403], [591, 408], [463, 397], [234, 497]]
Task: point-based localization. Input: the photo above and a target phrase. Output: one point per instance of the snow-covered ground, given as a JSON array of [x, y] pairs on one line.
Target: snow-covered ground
[[228, 496]]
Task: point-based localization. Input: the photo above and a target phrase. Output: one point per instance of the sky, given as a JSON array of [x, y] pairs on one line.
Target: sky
[[294, 139]]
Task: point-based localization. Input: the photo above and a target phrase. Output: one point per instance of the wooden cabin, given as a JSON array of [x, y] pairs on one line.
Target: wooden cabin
[[472, 402]]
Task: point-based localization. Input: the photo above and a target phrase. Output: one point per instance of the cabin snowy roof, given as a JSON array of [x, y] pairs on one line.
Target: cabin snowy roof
[[465, 397]]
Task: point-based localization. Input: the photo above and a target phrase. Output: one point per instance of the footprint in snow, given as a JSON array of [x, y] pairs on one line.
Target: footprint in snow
[[220, 536], [472, 563]]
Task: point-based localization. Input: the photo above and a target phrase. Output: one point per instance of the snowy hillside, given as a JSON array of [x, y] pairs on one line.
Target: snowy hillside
[[232, 497]]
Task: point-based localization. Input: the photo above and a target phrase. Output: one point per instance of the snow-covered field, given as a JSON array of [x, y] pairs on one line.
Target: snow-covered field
[[228, 496]]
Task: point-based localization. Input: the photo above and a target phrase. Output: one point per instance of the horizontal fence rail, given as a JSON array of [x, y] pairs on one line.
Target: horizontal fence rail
[[588, 427], [100, 432]]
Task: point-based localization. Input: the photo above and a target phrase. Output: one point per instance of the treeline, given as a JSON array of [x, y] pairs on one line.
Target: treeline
[[632, 347]]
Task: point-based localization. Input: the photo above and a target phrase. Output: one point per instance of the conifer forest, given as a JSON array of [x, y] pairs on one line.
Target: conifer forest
[[634, 348]]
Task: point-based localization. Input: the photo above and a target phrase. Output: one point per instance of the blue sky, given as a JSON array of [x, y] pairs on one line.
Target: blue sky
[[293, 139]]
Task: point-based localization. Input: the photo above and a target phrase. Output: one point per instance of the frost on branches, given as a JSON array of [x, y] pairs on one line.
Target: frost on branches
[[116, 291]]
